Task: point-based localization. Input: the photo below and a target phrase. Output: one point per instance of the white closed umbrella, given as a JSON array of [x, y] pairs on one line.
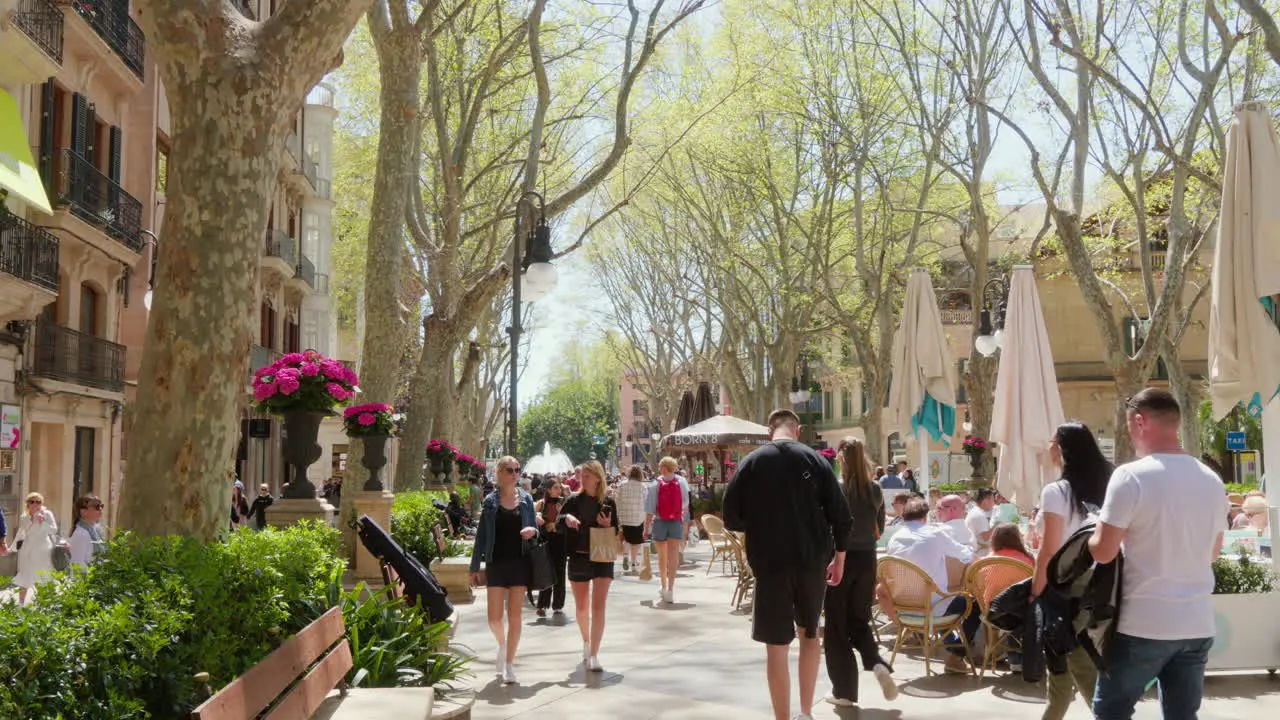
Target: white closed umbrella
[[1244, 343], [921, 395], [1028, 409]]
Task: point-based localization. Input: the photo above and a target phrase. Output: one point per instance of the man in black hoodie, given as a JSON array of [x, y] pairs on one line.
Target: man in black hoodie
[[785, 497]]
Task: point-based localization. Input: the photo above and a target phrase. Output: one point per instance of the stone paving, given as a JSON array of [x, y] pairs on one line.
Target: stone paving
[[695, 660]]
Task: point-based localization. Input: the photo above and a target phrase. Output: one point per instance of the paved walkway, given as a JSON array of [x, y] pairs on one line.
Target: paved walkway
[[695, 661]]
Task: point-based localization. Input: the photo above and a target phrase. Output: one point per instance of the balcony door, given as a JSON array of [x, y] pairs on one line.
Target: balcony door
[[85, 461], [82, 347]]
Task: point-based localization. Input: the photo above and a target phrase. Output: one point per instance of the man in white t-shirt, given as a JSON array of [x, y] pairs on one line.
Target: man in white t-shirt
[[951, 514], [1168, 511], [978, 521]]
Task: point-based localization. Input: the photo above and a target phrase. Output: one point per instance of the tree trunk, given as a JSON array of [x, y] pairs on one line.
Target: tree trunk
[[231, 96], [1188, 393], [430, 396]]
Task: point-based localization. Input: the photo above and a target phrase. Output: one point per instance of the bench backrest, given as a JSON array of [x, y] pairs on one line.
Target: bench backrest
[[254, 691]]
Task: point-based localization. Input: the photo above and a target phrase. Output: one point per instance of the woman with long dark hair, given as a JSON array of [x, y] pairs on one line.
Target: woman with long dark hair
[[1065, 505], [848, 605], [553, 532]]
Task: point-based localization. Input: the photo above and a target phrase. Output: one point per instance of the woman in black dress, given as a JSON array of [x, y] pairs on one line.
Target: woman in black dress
[[588, 508], [553, 530], [507, 519]]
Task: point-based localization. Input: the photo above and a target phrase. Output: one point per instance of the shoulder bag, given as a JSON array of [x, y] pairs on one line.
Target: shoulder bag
[[541, 574]]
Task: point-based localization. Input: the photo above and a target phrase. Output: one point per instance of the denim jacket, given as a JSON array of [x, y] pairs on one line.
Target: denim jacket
[[483, 549]]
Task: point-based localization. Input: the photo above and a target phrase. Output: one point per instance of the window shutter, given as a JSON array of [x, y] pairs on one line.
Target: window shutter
[[113, 169], [91, 133], [78, 133], [48, 97]]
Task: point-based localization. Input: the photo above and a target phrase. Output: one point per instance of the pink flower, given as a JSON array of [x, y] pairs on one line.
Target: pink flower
[[293, 358], [338, 392], [262, 372], [288, 373], [349, 376], [366, 419], [310, 369], [333, 369], [262, 391], [289, 385]]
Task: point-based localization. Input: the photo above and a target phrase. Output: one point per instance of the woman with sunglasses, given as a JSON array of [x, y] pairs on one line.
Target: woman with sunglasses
[[590, 507], [36, 530], [507, 519], [87, 539]]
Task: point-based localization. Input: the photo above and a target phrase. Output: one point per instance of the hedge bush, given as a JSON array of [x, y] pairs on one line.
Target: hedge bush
[[413, 515]]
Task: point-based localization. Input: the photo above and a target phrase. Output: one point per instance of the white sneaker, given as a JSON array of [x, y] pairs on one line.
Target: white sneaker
[[502, 660], [885, 678], [839, 701], [586, 651], [509, 675], [802, 716], [671, 596], [626, 564], [593, 664]]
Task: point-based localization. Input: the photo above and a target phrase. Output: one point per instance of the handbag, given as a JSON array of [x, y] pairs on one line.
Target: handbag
[[541, 574], [604, 544], [60, 553]]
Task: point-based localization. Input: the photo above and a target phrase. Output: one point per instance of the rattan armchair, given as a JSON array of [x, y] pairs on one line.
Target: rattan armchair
[[983, 581], [914, 596]]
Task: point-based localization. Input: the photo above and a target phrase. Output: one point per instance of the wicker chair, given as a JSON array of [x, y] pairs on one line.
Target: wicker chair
[[721, 546], [983, 581], [914, 595], [746, 579]]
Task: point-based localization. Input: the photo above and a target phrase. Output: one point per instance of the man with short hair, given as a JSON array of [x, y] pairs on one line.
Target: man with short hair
[[893, 479], [978, 521], [785, 497], [1167, 510], [951, 513]]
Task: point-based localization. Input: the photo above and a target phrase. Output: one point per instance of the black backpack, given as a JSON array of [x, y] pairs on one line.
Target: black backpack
[[420, 587]]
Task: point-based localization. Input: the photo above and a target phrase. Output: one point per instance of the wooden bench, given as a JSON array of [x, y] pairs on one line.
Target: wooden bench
[[271, 682]]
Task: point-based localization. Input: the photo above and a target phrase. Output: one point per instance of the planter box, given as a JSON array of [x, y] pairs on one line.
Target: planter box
[[455, 575], [1248, 632]]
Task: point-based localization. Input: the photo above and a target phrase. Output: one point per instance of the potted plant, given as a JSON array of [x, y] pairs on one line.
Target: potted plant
[[440, 454], [1245, 619], [465, 464], [974, 447], [303, 389], [373, 424]]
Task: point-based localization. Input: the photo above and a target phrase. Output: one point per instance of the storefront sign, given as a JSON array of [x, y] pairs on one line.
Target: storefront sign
[[10, 426]]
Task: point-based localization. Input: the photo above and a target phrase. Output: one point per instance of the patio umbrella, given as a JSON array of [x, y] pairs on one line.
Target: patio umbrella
[[684, 416], [704, 406], [921, 395], [1028, 409], [1244, 341], [722, 432]]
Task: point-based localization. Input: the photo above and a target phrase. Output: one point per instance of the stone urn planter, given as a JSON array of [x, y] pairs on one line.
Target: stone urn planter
[[374, 460], [301, 451]]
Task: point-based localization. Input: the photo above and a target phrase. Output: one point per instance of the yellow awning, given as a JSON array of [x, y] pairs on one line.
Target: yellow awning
[[18, 172]]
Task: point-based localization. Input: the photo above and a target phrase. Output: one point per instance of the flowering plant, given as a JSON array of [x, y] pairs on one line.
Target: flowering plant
[[368, 419], [465, 463], [303, 382], [441, 451], [828, 453], [974, 445]]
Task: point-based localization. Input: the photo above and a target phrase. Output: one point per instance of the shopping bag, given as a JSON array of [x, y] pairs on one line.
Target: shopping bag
[[646, 570], [604, 544]]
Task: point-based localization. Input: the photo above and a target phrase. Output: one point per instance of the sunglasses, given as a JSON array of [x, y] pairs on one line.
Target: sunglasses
[[34, 502], [94, 506], [515, 469]]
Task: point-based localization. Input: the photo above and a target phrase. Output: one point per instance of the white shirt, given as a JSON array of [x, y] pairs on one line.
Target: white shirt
[[958, 531], [1173, 508], [630, 498], [1057, 498], [928, 547], [977, 522]]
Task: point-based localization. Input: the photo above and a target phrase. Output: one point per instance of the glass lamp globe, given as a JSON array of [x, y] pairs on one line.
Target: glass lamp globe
[[805, 395], [999, 337], [795, 397], [538, 281], [986, 344]]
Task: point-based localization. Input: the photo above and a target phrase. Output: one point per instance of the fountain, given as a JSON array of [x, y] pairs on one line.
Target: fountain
[[550, 461]]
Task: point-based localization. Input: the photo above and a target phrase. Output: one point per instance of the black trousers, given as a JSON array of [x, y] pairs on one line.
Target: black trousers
[[557, 548], [848, 624]]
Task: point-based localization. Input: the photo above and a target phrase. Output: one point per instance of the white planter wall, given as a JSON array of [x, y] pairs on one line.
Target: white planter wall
[[1248, 632]]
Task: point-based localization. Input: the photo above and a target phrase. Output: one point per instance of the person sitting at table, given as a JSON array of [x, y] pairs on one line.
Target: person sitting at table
[[1253, 514], [928, 547], [978, 521], [1006, 541], [899, 502], [951, 514]]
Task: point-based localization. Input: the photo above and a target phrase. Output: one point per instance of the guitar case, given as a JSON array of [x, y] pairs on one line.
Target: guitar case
[[420, 587]]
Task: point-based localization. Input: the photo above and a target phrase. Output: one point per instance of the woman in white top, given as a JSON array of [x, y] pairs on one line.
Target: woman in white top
[[1065, 505], [36, 530], [87, 538]]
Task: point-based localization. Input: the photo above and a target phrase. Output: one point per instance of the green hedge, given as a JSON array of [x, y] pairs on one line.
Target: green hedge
[[1241, 488], [124, 639], [413, 515]]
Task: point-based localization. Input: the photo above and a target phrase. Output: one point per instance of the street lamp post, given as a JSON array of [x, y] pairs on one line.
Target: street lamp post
[[991, 336], [533, 270]]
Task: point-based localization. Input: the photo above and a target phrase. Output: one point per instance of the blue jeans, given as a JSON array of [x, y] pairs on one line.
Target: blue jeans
[[1178, 665]]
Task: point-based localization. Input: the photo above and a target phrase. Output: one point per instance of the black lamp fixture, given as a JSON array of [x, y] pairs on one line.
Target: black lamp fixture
[[995, 295], [535, 279]]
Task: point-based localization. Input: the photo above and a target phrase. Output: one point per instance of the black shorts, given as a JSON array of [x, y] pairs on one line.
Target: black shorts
[[507, 574], [633, 534], [783, 601], [581, 569]]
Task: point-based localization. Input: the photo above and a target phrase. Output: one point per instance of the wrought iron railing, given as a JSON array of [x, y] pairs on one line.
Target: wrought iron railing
[[956, 316], [42, 22], [309, 169], [111, 21], [323, 188], [28, 252], [293, 146], [72, 356], [280, 245], [96, 199], [320, 95], [306, 270], [321, 285]]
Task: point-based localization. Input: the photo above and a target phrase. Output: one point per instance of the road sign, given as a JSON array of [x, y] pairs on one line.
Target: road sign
[[1235, 440]]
